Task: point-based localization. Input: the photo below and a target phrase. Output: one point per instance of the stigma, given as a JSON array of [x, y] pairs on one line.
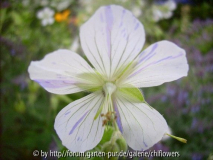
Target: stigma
[[109, 88]]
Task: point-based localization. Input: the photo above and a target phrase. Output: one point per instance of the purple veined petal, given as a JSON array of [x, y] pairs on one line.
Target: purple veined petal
[[142, 126], [75, 124], [161, 62], [57, 72], [111, 39], [109, 25], [156, 62], [148, 55], [54, 83]]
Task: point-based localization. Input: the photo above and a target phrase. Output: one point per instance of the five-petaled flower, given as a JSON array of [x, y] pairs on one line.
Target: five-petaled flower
[[46, 16], [112, 40]]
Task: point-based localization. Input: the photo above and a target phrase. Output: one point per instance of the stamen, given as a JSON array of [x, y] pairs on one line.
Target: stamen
[[109, 117]]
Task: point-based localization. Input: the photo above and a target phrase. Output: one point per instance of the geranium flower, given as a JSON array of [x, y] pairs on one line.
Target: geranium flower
[[112, 40]]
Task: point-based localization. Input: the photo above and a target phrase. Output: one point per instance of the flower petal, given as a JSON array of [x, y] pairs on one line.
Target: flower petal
[[58, 71], [141, 125], [161, 62], [111, 39], [75, 124]]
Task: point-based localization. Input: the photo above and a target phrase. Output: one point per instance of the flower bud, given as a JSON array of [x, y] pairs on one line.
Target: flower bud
[[122, 144], [111, 150]]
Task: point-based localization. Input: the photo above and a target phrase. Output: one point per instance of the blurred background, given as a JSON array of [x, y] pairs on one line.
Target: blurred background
[[29, 29]]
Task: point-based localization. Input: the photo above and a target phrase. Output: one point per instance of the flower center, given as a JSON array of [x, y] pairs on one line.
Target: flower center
[[109, 88]]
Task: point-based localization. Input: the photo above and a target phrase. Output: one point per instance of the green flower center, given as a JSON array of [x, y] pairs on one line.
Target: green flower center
[[109, 88]]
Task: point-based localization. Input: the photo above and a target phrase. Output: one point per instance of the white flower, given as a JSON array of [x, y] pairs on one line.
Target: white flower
[[46, 16], [157, 15], [163, 11], [171, 5], [136, 11], [112, 40], [60, 5], [63, 5], [168, 15]]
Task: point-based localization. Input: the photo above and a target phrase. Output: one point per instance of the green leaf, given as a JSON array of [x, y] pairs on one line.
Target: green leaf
[[17, 18], [3, 17], [132, 94]]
